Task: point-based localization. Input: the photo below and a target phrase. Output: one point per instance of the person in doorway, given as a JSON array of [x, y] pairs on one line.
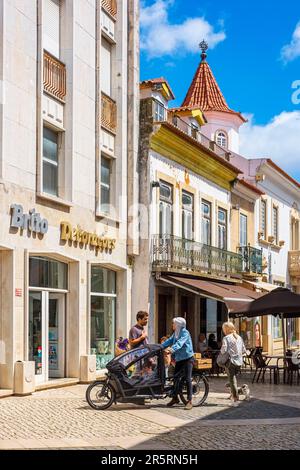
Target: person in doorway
[[180, 346], [234, 346], [137, 334]]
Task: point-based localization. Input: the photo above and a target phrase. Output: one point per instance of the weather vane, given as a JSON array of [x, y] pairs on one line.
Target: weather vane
[[203, 46]]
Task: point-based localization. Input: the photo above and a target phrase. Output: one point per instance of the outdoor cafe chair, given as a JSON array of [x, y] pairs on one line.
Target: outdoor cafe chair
[[291, 371], [261, 366]]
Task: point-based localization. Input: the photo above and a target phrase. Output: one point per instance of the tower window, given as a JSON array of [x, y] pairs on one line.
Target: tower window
[[222, 139]]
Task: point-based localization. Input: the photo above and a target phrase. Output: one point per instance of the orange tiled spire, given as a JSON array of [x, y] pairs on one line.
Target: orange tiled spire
[[204, 91]]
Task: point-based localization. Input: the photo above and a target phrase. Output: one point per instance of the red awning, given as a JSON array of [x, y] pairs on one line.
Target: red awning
[[231, 294]]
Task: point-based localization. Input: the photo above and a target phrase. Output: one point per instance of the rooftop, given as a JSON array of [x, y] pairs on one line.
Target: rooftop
[[205, 92]]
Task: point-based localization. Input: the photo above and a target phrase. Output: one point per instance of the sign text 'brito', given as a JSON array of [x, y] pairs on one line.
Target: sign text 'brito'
[[32, 221]]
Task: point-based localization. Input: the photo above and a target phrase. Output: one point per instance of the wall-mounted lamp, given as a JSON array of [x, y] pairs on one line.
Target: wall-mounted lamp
[[155, 184]]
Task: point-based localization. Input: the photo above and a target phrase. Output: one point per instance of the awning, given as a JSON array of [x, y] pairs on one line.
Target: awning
[[264, 286], [232, 295]]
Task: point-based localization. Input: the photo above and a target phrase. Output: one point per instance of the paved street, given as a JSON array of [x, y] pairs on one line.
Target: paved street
[[60, 419]]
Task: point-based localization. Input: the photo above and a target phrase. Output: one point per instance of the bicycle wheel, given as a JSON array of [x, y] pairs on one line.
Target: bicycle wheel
[[200, 390], [100, 395]]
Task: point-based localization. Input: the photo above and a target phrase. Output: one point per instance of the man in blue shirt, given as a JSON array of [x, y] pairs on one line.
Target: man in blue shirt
[[181, 347]]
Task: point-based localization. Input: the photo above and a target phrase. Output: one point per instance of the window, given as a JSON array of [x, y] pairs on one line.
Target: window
[[165, 208], [263, 218], [222, 229], [221, 139], [187, 215], [105, 184], [275, 224], [51, 26], [103, 314], [159, 111], [206, 223], [50, 161], [48, 273], [194, 131], [243, 230], [106, 65]]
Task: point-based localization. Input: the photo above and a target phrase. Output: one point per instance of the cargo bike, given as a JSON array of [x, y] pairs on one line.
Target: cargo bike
[[142, 374]]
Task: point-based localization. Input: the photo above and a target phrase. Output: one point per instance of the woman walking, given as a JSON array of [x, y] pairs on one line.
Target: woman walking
[[233, 346], [180, 346]]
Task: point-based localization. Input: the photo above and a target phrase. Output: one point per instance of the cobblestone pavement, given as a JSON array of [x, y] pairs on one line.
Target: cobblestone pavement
[[60, 418]]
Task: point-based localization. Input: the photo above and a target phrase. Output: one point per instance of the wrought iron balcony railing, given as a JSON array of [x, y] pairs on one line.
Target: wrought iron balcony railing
[[108, 113], [174, 253], [252, 259], [54, 76], [294, 263], [110, 6]]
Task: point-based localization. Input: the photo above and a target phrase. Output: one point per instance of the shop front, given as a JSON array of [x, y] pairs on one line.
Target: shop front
[[204, 304]]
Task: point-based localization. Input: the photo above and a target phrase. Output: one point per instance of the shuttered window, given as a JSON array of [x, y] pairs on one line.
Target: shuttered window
[[51, 26], [106, 67]]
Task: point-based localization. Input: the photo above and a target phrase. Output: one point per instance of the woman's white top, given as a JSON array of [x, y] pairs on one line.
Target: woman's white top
[[235, 348]]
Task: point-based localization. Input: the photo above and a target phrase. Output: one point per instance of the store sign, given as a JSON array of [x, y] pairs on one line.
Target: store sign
[[77, 235], [31, 221]]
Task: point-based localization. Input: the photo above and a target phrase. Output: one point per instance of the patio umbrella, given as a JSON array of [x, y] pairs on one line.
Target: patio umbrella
[[280, 301]]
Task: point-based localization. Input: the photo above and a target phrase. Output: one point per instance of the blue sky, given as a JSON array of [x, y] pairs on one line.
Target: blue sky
[[254, 54]]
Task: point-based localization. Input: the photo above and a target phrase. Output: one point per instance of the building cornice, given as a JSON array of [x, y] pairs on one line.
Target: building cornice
[[186, 151]]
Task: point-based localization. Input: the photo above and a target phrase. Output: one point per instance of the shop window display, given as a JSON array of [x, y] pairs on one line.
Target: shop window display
[[103, 311]]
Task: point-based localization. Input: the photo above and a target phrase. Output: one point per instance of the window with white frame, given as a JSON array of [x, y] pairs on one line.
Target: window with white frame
[[263, 218], [50, 161], [159, 111], [165, 208], [206, 222], [106, 66], [51, 27], [187, 202], [222, 229], [275, 224], [105, 184], [222, 139], [243, 230]]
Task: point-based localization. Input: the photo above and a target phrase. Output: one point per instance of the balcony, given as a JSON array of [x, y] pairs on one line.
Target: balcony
[[294, 263], [110, 6], [54, 76], [252, 260], [174, 254], [108, 113], [165, 115]]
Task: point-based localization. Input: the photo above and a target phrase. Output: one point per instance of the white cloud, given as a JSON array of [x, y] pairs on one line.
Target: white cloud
[[159, 37], [292, 51], [279, 140]]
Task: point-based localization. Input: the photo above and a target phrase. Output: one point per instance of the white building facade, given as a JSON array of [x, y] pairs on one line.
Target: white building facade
[[69, 74]]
